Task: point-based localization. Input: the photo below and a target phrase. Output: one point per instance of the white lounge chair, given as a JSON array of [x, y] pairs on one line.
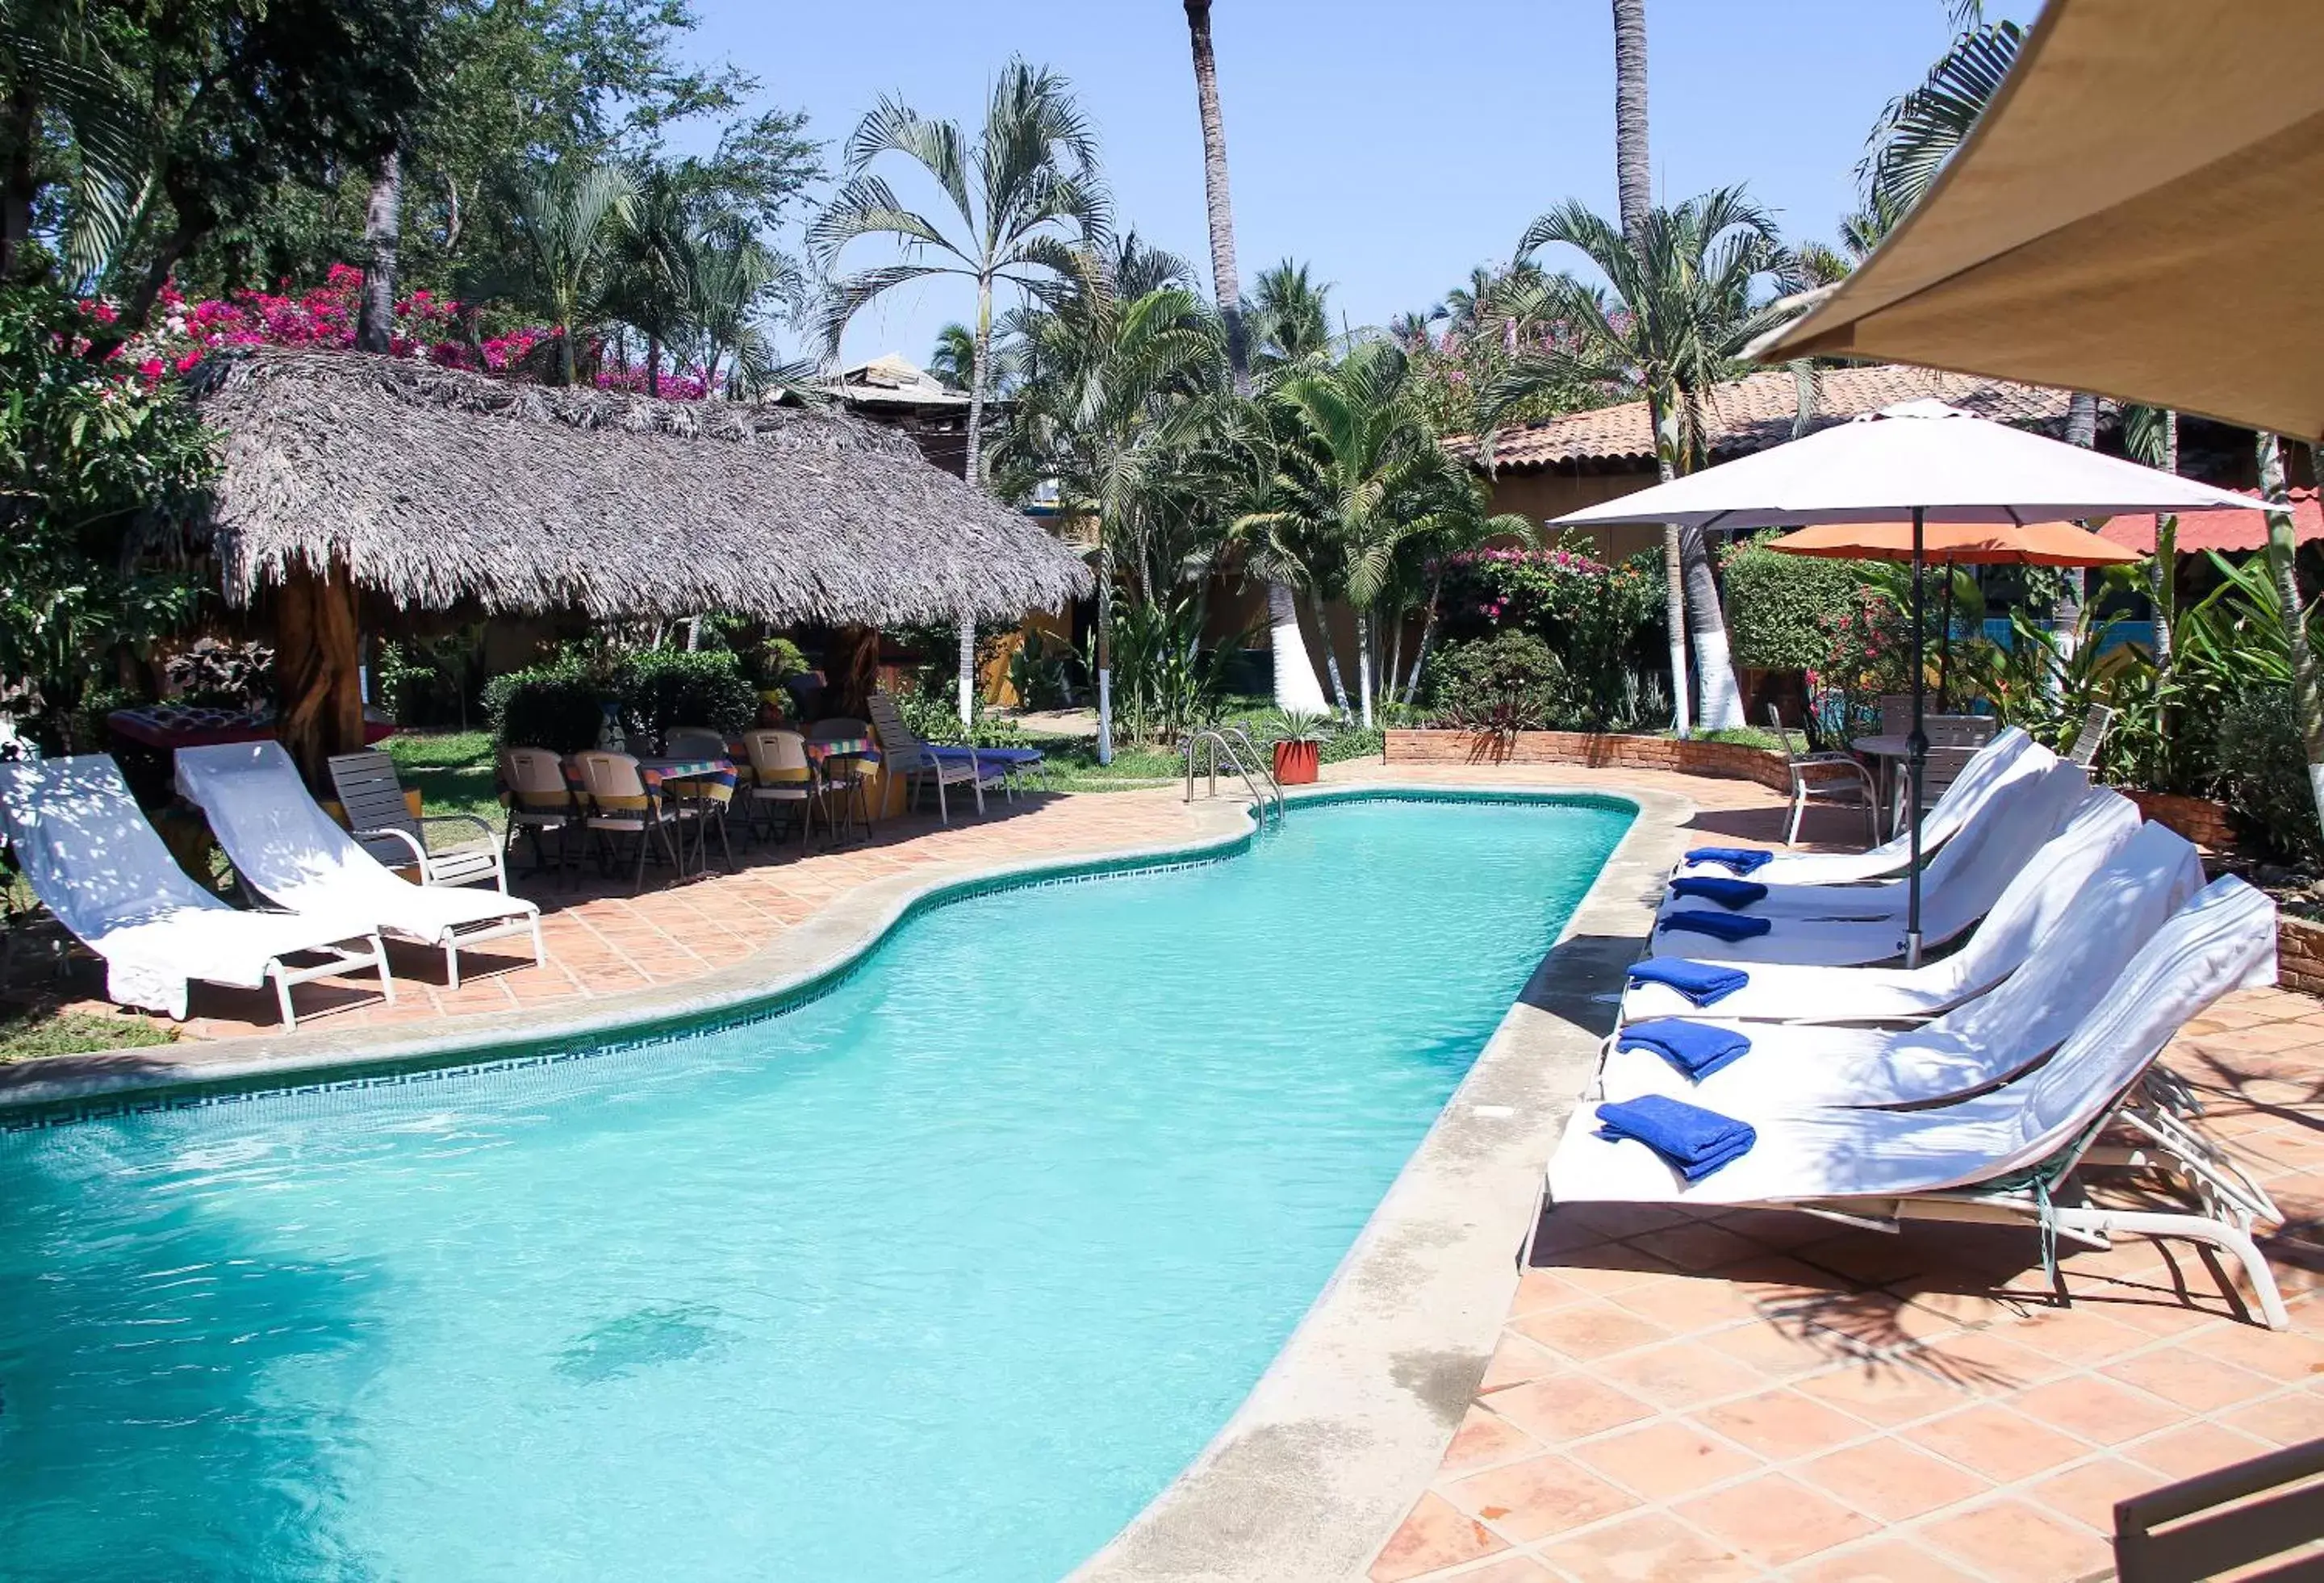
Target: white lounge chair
[[1984, 1041], [97, 864], [2010, 753], [289, 850], [2035, 900], [1841, 925], [2020, 1152]]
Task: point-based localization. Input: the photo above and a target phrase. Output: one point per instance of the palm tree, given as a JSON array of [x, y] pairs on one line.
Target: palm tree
[[734, 281], [1025, 192], [1296, 686], [1456, 518], [1919, 131], [953, 361], [2307, 690], [1683, 303], [1348, 486], [1116, 389], [2150, 435], [1290, 323], [655, 285], [566, 220], [382, 239], [1634, 178]]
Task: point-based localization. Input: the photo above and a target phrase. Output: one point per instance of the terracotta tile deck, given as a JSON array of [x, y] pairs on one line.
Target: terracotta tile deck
[[1755, 1394]]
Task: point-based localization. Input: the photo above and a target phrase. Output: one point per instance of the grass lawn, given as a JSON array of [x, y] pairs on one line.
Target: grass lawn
[[27, 1034], [453, 770]]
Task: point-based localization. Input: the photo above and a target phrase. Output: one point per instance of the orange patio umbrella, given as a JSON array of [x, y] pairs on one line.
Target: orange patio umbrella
[[1958, 544]]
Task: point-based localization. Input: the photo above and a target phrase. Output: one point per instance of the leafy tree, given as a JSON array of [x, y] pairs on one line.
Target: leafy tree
[[103, 468], [953, 361], [1023, 193], [1680, 307]]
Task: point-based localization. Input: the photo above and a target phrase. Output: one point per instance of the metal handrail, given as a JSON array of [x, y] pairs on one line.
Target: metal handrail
[[1259, 762], [1218, 745]]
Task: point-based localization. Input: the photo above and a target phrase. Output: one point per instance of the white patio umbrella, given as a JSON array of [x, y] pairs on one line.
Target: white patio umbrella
[[1938, 464]]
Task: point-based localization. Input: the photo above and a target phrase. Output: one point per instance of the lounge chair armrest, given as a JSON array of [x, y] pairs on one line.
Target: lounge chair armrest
[[419, 852]]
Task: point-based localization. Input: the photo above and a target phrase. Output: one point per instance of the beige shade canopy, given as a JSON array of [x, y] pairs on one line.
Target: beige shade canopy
[[2137, 215]]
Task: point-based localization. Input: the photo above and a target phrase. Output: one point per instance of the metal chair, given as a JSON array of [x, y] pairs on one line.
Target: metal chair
[[902, 752], [694, 742], [2096, 723], [1835, 779], [384, 825], [1953, 741], [620, 805], [540, 798], [853, 784]]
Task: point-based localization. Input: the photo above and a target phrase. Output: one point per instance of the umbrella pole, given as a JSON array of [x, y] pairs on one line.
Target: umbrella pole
[[1918, 742]]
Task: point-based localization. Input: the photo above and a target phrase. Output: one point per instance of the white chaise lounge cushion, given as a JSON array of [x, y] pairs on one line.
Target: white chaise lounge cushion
[[286, 848], [96, 863], [2222, 941], [1985, 1040], [2028, 908]]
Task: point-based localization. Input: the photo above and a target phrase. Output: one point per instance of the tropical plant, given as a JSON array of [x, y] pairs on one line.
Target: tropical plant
[[1297, 725], [1683, 303], [1919, 131], [567, 221], [1166, 684], [1025, 192], [1290, 320], [1597, 620], [1499, 685], [2307, 689], [953, 361], [1778, 603], [1295, 685]]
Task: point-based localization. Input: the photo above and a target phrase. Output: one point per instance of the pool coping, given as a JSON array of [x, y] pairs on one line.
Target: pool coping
[[1343, 1431]]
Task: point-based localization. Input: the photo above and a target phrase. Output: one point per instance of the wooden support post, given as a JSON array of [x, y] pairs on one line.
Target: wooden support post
[[317, 669]]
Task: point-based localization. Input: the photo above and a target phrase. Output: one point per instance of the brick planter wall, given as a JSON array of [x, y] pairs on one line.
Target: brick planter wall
[[1728, 761], [2198, 819], [2300, 955]]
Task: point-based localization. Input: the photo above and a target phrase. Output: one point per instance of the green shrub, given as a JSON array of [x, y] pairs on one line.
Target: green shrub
[[1775, 604], [560, 706], [1507, 682], [663, 687], [2264, 774]]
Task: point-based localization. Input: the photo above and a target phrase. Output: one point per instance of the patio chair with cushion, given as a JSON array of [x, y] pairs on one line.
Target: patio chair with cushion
[[540, 798], [1837, 780], [782, 782], [448, 849], [905, 754], [622, 803]]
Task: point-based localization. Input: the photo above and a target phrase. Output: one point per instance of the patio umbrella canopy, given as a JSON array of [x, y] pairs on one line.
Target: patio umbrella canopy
[[2037, 544], [2139, 200], [1970, 479]]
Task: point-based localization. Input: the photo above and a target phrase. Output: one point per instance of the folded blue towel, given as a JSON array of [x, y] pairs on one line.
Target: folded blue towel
[[1695, 1140], [1719, 925], [1718, 887], [1695, 1048], [1742, 859], [1701, 982]]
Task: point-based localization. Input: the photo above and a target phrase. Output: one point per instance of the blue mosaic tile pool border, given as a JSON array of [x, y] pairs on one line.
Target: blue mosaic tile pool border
[[521, 1054]]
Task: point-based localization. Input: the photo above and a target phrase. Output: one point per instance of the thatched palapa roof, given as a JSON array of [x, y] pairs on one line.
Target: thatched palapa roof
[[435, 486]]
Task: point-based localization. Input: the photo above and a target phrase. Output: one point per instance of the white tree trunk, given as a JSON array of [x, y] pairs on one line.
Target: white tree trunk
[[2307, 695], [967, 666], [1331, 655], [980, 372], [1364, 664], [1722, 700], [1297, 690]]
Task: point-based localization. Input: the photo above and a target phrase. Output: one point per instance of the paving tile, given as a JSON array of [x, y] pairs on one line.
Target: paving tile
[[1680, 1373], [2097, 1410], [2279, 1355], [1515, 1360], [1996, 1443], [2017, 1542], [1681, 1304], [2192, 1378], [1663, 1461], [2081, 1335], [1783, 1424], [1483, 1439], [1776, 1348], [1608, 1269], [1879, 1560], [1433, 1536], [2289, 1419], [1507, 1569], [1567, 1406], [1537, 1497], [1697, 1247], [2088, 1493], [2194, 1448], [1652, 1547], [1890, 1480], [1774, 1520], [1540, 1289], [1885, 1391], [1587, 1330]]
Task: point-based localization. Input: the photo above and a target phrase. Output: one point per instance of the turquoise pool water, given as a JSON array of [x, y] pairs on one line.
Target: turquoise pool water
[[943, 1276]]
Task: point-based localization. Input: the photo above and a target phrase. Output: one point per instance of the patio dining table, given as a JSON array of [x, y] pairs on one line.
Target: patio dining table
[[1890, 752], [692, 781], [820, 755]]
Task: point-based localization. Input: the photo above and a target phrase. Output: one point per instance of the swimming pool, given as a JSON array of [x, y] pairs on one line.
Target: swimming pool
[[944, 1274]]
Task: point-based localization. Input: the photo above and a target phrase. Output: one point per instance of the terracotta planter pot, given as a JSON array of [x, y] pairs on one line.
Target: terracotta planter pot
[[1295, 763]]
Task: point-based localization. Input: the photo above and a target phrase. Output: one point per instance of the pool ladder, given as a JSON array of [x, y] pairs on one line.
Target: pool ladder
[[1257, 777]]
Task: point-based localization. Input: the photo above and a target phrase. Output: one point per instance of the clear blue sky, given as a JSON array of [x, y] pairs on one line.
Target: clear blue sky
[[1391, 146]]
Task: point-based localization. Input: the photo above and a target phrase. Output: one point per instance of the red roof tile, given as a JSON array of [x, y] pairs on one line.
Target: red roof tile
[[2226, 531], [1757, 410]]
